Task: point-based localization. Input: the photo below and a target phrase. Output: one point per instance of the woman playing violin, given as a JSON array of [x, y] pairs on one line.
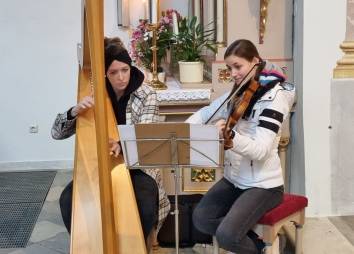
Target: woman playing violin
[[253, 181]]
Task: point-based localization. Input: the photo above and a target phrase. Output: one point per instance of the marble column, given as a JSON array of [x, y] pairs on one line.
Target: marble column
[[345, 66], [341, 128]]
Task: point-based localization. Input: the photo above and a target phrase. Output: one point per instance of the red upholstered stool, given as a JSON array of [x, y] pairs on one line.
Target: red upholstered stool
[[292, 209]]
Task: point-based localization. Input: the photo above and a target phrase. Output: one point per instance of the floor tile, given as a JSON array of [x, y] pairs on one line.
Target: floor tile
[[35, 249], [45, 230], [322, 237], [60, 243], [51, 212], [54, 193], [345, 224], [62, 178], [6, 251]]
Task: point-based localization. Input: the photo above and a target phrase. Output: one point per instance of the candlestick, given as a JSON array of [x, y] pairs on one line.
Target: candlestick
[[155, 82]]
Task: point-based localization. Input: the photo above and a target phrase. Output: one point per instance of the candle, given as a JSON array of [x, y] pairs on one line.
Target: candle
[[145, 9], [220, 21], [175, 23], [154, 10], [197, 10], [211, 18]]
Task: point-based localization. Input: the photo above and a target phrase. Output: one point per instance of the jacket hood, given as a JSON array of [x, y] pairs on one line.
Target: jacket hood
[[271, 72]]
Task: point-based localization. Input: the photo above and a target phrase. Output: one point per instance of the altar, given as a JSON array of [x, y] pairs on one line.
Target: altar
[[179, 101]]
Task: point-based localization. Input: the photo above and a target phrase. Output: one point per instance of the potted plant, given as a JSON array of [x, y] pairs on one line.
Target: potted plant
[[192, 39]]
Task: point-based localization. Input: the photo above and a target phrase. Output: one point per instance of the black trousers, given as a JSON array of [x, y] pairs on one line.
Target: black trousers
[[146, 194]]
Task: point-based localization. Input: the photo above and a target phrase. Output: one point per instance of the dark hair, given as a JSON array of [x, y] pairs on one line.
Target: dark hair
[[114, 50], [242, 48], [115, 41]]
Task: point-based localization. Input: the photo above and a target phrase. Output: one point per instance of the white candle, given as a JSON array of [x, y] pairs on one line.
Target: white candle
[[145, 9], [211, 21], [175, 23], [154, 11], [220, 21], [197, 10]]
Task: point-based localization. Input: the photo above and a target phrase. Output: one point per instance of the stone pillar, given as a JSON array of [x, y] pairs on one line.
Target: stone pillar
[[345, 66], [341, 128]]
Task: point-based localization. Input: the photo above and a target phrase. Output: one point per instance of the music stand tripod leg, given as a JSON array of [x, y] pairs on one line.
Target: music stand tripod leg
[[174, 157]]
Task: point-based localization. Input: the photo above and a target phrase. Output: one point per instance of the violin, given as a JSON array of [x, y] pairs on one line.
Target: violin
[[237, 109], [239, 102]]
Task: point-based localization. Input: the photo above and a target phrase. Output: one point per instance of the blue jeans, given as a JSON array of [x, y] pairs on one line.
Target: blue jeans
[[230, 213]]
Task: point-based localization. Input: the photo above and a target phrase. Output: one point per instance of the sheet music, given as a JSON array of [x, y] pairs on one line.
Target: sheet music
[[204, 145], [204, 152], [128, 141]]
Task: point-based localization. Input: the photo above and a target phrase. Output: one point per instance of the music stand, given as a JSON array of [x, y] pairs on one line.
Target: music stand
[[171, 145]]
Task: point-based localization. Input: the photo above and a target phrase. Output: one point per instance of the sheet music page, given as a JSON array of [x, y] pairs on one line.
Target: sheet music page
[[203, 152], [128, 142]]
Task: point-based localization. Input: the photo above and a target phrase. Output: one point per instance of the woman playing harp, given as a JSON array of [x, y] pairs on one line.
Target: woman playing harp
[[133, 102]]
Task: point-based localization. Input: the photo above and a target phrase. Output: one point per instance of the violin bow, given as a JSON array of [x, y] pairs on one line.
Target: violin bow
[[235, 89]]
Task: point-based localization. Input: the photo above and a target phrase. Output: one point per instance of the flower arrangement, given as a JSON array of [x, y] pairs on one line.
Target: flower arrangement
[[141, 42]]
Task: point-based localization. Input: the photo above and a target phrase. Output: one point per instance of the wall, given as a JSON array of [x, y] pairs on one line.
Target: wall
[[38, 76], [180, 6], [322, 35], [243, 22]]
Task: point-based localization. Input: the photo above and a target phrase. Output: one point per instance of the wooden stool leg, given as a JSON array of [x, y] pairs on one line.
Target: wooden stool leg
[[273, 248], [215, 245], [298, 239]]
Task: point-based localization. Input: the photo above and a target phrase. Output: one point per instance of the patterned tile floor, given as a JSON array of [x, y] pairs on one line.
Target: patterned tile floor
[[321, 235]]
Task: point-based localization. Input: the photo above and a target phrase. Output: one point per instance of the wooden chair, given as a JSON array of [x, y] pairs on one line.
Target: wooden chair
[[291, 210]]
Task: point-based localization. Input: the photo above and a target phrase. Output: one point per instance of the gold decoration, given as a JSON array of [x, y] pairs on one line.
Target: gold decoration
[[224, 75], [263, 14], [283, 144], [155, 82], [203, 175], [345, 66]]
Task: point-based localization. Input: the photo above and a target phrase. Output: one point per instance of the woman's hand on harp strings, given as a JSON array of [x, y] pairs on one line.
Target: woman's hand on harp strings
[[86, 103], [114, 147]]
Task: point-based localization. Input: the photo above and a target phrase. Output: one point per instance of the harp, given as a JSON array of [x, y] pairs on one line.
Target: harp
[[105, 218]]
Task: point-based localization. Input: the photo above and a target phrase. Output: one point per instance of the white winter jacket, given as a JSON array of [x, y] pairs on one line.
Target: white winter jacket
[[254, 160]]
